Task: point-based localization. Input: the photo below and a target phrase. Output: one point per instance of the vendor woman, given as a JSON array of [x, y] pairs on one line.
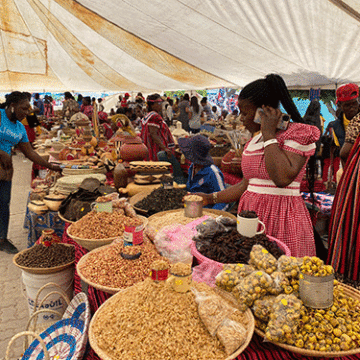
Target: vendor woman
[[204, 176], [273, 164]]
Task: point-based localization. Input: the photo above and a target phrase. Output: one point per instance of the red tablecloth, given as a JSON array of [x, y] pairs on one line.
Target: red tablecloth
[[257, 349]]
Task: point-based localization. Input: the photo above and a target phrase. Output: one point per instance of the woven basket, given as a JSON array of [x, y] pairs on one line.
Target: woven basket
[[63, 219], [201, 258], [68, 172], [107, 289], [33, 270], [91, 244], [209, 212], [104, 356], [348, 290], [138, 197]]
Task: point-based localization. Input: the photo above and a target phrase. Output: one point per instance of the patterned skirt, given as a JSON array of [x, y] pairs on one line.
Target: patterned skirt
[[344, 235]]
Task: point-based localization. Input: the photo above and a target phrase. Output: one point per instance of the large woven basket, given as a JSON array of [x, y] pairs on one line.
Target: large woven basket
[[104, 356], [33, 270], [201, 258], [63, 219], [138, 197], [210, 212], [91, 244], [107, 289], [348, 290]]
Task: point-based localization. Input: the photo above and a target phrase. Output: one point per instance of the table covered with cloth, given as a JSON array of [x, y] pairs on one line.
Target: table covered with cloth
[[36, 223]]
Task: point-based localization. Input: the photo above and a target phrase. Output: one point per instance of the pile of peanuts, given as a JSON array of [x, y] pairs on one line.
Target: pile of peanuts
[[102, 225], [181, 269], [193, 198], [107, 268]]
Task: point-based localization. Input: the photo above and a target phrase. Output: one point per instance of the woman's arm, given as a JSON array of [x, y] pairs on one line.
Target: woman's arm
[[228, 195], [345, 152], [32, 155], [154, 133], [282, 166]]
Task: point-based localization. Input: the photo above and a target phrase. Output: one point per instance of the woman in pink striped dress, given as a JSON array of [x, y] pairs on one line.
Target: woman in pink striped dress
[[273, 164]]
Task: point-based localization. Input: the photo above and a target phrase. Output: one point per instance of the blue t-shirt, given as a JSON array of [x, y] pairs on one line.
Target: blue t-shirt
[[208, 180], [40, 105], [11, 134]]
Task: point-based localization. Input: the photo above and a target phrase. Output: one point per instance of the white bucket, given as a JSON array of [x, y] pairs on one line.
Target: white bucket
[[33, 282]]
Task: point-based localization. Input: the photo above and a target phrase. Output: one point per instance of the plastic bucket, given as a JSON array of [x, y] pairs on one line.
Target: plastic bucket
[[33, 282]]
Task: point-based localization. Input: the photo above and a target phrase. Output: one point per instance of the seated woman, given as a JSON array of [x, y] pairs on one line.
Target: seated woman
[[204, 176]]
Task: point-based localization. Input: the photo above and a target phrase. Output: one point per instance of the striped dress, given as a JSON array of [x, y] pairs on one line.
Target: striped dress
[[344, 234], [282, 210]]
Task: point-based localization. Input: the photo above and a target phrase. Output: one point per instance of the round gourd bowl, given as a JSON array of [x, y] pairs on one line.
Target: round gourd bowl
[[53, 201]]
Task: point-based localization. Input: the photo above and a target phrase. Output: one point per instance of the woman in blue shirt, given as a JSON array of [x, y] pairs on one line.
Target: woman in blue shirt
[[12, 133], [204, 176]]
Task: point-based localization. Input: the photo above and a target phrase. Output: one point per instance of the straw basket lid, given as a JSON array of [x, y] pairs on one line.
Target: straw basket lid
[[209, 212], [104, 356], [33, 270], [91, 244], [64, 340], [349, 291]]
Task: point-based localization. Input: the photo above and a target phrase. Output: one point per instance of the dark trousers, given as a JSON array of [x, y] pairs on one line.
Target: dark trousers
[[5, 195]]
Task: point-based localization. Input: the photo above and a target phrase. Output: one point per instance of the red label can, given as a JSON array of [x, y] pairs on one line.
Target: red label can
[[134, 234], [159, 274]]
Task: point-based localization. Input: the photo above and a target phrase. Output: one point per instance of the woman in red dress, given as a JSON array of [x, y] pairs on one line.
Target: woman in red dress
[[273, 164]]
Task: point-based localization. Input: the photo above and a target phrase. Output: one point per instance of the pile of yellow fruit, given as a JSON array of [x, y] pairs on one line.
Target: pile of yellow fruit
[[315, 267]]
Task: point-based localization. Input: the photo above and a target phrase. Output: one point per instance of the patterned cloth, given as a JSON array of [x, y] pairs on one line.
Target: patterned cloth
[[281, 209], [37, 223], [88, 110], [155, 120], [353, 130], [344, 246], [322, 200]]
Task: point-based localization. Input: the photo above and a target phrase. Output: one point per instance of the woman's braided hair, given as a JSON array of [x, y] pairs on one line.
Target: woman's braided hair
[[270, 92], [14, 98]]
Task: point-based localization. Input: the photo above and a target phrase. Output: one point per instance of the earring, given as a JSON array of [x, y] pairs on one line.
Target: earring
[[12, 110]]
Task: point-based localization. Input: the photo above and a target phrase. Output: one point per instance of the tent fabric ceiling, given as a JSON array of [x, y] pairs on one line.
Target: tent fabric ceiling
[[126, 45]]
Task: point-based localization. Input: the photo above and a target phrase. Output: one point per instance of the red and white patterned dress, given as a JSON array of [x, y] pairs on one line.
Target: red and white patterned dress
[[281, 209], [154, 119]]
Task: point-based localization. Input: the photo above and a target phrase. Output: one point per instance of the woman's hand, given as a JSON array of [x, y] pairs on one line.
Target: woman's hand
[[5, 160], [207, 198], [270, 118], [55, 167]]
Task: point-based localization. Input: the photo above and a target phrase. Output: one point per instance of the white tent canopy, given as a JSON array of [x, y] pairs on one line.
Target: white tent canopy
[[139, 45]]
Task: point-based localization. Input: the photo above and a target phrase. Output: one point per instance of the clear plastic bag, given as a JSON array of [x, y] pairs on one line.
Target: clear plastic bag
[[231, 275], [209, 228], [251, 288], [212, 310], [280, 281], [284, 318], [262, 259], [262, 307], [290, 266], [232, 335]]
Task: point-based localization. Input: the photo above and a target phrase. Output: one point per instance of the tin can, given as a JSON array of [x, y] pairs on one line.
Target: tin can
[[134, 234], [159, 275]]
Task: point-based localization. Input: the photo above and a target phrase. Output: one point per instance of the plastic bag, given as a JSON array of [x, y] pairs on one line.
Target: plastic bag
[[262, 307], [231, 275], [227, 222], [212, 310], [284, 318], [262, 259], [251, 288], [206, 272], [209, 228], [290, 266], [280, 281], [232, 335], [173, 242]]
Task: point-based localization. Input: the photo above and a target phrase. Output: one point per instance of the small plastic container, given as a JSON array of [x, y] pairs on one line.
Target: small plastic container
[[317, 291], [193, 209]]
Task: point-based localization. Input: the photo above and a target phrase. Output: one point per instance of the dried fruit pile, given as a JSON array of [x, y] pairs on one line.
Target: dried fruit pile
[[40, 256], [162, 200]]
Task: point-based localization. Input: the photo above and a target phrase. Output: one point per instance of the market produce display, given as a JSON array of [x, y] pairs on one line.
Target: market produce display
[[41, 256], [106, 267], [152, 311], [162, 200]]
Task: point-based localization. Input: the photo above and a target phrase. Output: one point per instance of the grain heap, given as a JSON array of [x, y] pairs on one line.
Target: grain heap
[[103, 225], [152, 322], [106, 267]]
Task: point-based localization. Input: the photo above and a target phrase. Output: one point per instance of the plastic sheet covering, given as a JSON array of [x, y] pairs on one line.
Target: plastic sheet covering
[[126, 45]]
